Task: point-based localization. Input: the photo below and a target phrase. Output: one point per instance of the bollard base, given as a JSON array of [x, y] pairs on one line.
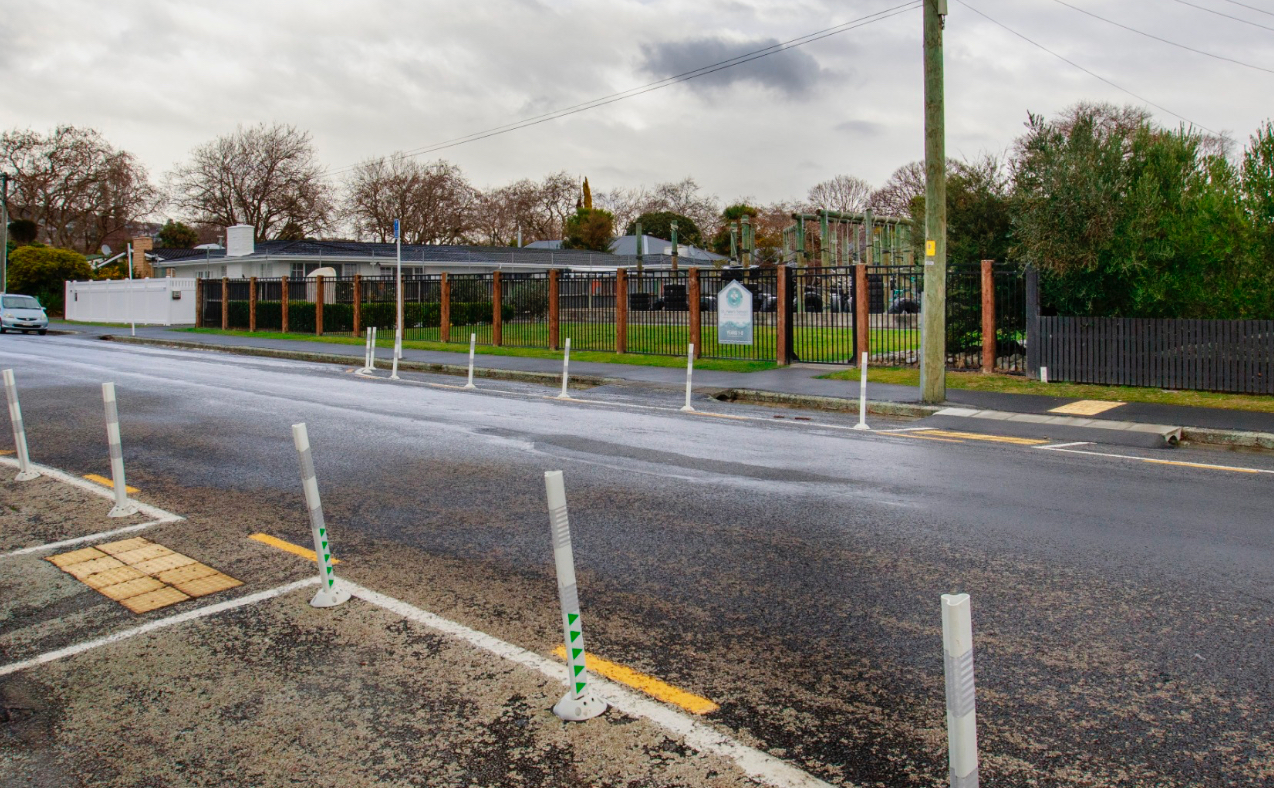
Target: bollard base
[[687, 409], [26, 476], [470, 386], [330, 597], [862, 425], [572, 709], [127, 510]]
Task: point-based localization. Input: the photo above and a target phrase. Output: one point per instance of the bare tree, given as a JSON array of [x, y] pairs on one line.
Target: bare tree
[[894, 198], [434, 201], [265, 176], [681, 197], [844, 193], [75, 186]]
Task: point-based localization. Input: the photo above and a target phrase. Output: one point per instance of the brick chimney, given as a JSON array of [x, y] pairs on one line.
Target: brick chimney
[[141, 267]]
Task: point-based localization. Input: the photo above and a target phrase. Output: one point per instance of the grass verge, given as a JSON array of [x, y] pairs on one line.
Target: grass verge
[[1016, 384], [723, 365]]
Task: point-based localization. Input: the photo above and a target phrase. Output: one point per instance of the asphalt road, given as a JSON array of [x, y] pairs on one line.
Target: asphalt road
[[790, 570]]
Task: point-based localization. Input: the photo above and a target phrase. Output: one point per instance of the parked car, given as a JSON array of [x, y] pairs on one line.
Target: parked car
[[22, 313]]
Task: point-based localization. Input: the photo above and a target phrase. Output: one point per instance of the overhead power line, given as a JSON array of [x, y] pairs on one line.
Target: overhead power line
[[1163, 40], [1085, 70], [1227, 16], [1251, 7], [686, 76]]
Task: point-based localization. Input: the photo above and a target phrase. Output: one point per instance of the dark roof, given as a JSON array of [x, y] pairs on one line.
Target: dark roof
[[412, 253]]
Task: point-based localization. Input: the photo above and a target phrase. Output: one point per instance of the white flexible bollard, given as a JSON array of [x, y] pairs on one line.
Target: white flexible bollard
[[862, 395], [371, 359], [398, 353], [367, 352], [123, 507], [566, 370], [331, 593], [962, 732], [578, 703], [1043, 374], [25, 472], [473, 341], [690, 370]]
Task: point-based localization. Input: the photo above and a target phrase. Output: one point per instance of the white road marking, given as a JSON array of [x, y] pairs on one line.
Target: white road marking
[[163, 623], [1064, 445], [97, 537], [96, 489], [756, 764], [1154, 461]]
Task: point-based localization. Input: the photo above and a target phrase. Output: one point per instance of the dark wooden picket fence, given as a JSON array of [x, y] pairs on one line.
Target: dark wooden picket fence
[[1209, 355]]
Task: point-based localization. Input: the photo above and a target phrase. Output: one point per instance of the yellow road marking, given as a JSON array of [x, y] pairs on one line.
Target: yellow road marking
[[6, 451], [977, 436], [1087, 407], [647, 684], [288, 546], [719, 415], [105, 482], [922, 437]]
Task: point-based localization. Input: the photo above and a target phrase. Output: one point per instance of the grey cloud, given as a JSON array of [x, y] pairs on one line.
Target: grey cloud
[[860, 128], [793, 71]]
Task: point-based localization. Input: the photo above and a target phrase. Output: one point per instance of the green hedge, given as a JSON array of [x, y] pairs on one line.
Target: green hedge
[[339, 318]]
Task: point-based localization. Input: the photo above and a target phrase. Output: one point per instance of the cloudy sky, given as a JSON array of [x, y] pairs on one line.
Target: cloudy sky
[[368, 78]]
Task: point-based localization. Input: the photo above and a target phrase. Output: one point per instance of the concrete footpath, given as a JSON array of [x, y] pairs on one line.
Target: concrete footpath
[[799, 385]]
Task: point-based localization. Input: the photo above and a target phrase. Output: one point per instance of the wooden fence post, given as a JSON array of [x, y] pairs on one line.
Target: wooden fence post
[[862, 312], [358, 304], [225, 303], [1033, 338], [444, 309], [781, 323], [696, 315], [497, 317], [555, 326], [283, 306], [199, 296], [988, 317], [252, 303], [621, 310], [318, 306]]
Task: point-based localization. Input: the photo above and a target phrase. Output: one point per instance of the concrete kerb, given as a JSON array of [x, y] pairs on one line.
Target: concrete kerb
[[1199, 436]]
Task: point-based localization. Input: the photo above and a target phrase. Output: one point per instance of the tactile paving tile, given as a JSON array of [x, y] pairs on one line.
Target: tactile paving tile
[[76, 556], [120, 574], [142, 585], [184, 574], [115, 548], [135, 557], [1086, 407], [83, 569], [143, 603], [163, 563], [207, 585]]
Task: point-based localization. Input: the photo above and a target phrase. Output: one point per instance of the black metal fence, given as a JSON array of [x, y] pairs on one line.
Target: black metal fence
[[823, 325], [586, 310], [1210, 355]]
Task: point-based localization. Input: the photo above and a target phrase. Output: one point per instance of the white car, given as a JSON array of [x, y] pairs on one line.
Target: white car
[[22, 313]]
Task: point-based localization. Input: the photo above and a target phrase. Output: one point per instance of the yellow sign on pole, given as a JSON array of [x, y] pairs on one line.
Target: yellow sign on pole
[[931, 248]]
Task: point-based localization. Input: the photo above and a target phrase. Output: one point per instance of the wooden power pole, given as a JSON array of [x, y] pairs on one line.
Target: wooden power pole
[[933, 353]]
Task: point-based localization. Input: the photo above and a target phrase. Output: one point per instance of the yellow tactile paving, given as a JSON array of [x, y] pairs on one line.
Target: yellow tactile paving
[[120, 574], [142, 585], [978, 436], [83, 569], [207, 585], [144, 603], [115, 548], [141, 575], [163, 563], [76, 556], [184, 574], [145, 553], [1086, 407]]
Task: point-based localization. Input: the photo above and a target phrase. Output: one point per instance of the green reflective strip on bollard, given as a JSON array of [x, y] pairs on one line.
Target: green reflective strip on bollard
[[580, 685], [573, 635], [570, 617], [331, 583], [578, 669], [575, 652]]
